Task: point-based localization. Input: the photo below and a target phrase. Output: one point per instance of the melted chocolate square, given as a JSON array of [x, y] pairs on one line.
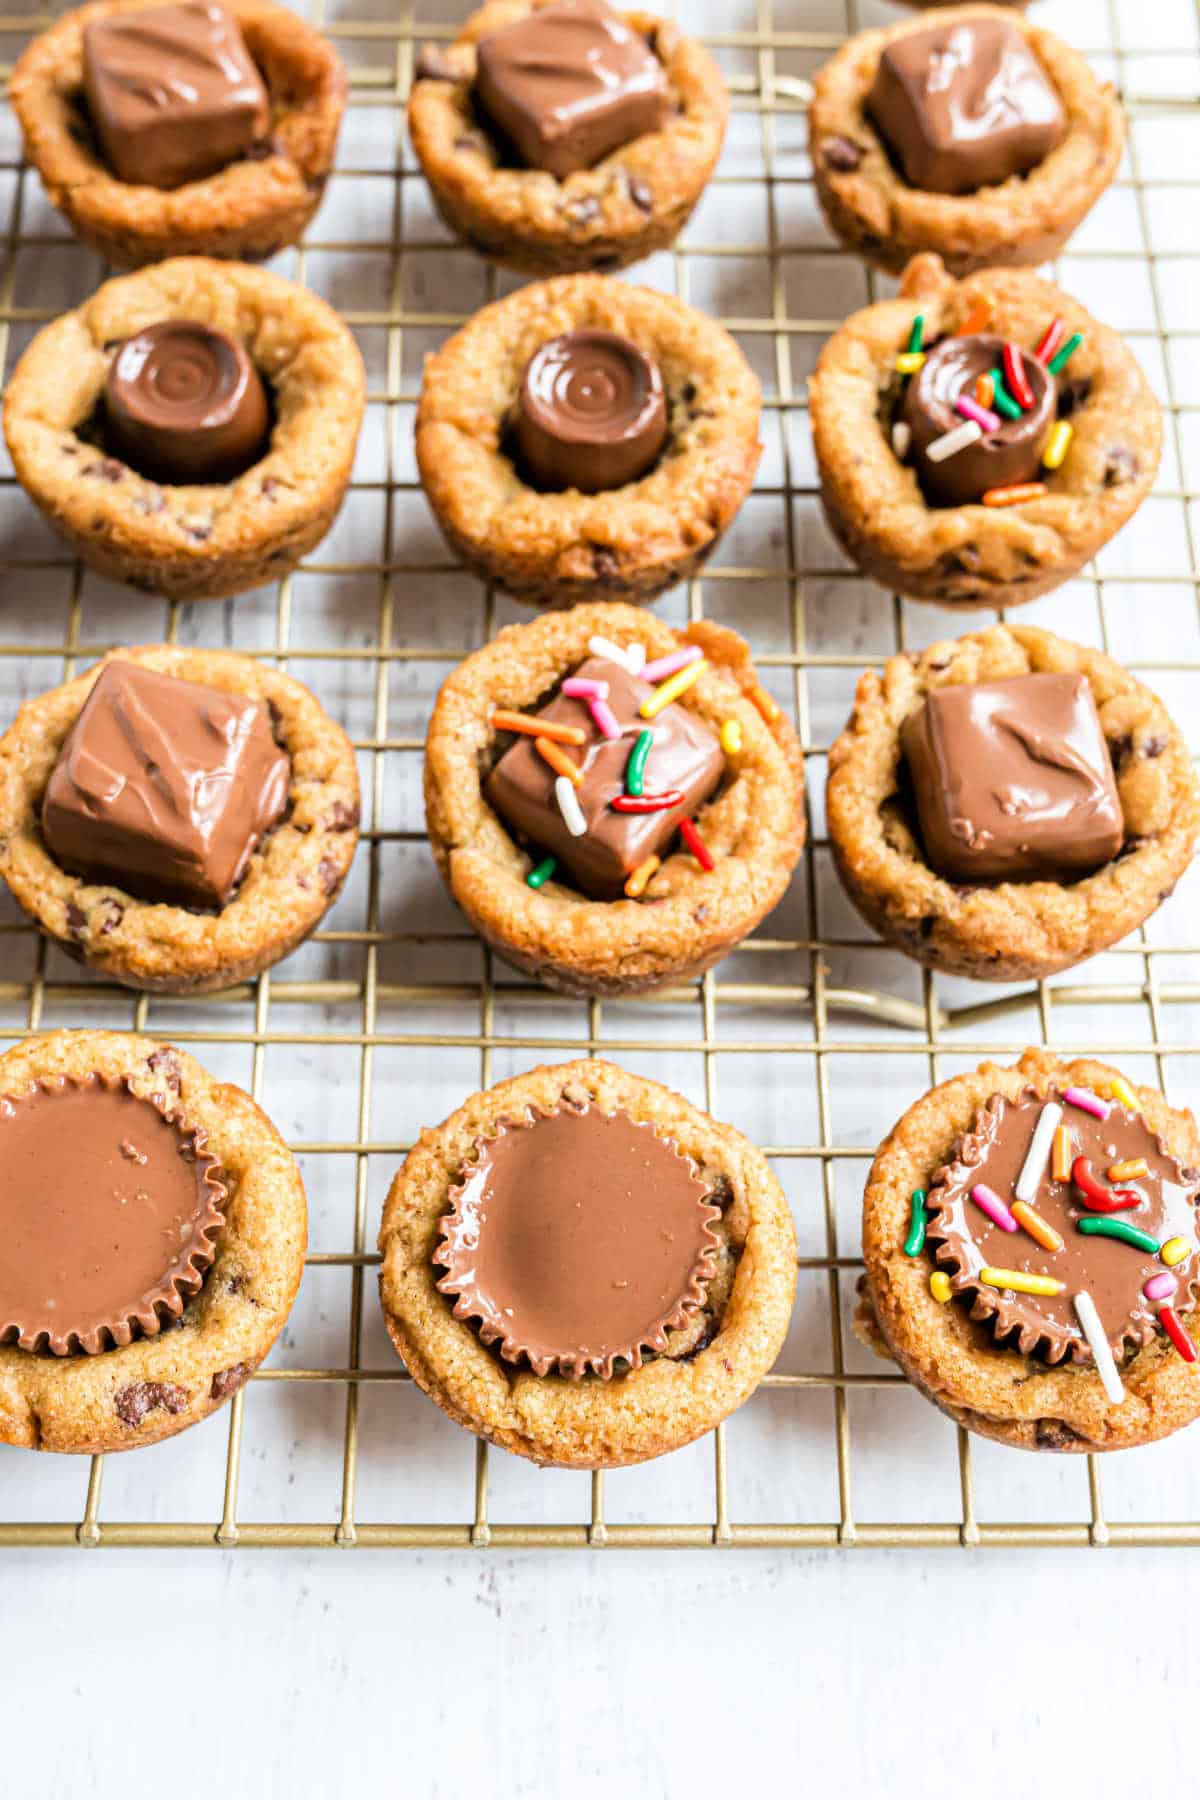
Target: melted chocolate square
[[1013, 781], [685, 756], [964, 106], [164, 787], [570, 83], [173, 92]]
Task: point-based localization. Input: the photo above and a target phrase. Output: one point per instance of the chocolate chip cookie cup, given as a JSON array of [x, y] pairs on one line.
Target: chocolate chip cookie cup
[[259, 199], [904, 471], [178, 819], [1057, 802], [611, 854], [633, 1273], [1032, 1260], [155, 1231], [590, 155], [558, 546], [1011, 187], [129, 458]]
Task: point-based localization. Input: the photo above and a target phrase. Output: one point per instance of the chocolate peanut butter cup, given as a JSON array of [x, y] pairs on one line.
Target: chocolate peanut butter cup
[[1008, 452], [591, 413], [109, 1207], [185, 403], [576, 1240]]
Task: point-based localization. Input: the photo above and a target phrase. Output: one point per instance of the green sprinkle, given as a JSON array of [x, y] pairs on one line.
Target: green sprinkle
[[914, 1243], [1002, 400], [1121, 1229], [916, 336], [635, 768], [542, 873], [1066, 353]]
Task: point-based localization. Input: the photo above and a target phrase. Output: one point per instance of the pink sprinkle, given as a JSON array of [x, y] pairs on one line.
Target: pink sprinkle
[[989, 1201], [577, 687], [1160, 1287], [606, 719], [1087, 1102], [971, 409], [667, 665]]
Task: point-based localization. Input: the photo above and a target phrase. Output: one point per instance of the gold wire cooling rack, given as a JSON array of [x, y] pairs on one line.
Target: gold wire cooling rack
[[767, 66]]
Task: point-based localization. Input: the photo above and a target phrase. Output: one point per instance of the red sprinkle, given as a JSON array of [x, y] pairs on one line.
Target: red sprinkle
[[647, 803], [1055, 333], [696, 844], [1101, 1199], [1018, 381], [1175, 1329]]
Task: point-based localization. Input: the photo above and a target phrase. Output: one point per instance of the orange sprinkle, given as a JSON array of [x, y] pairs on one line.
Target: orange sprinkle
[[1129, 1171], [1063, 1155], [766, 706], [1036, 1226], [1013, 496], [638, 881], [985, 391], [558, 759], [528, 726], [977, 319]]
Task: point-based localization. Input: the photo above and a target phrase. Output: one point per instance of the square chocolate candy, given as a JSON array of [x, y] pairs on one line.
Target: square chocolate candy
[[685, 757], [1012, 780], [173, 92], [164, 787], [964, 106], [570, 83]]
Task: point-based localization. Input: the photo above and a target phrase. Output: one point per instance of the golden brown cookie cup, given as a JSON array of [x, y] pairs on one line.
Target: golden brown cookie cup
[[152, 1388], [953, 1359], [713, 1362], [1026, 219], [632, 203], [292, 880], [193, 542], [1021, 929], [250, 209], [629, 543], [973, 556], [689, 918]]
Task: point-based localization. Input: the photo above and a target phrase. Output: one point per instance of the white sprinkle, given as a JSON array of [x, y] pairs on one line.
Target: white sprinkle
[[1034, 1166], [569, 807], [1093, 1331], [951, 442], [632, 659], [901, 438]]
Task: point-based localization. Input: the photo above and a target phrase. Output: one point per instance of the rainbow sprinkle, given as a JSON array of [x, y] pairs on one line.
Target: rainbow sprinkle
[[635, 768], [1057, 445], [1058, 363], [696, 844], [1087, 1102], [1120, 1229], [638, 881], [668, 665], [989, 1201], [939, 1286], [1093, 1331], [671, 689], [569, 807], [538, 877], [1018, 1282], [914, 1243], [731, 736]]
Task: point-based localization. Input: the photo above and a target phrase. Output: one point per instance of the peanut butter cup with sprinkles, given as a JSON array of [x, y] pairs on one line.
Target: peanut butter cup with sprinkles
[[1032, 1255], [613, 804], [584, 1269]]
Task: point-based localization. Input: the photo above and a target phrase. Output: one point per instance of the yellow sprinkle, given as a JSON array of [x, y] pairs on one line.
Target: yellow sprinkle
[[1059, 442], [1120, 1090], [1129, 1171], [1020, 1283], [671, 688], [939, 1285], [1174, 1251], [909, 362], [731, 736], [636, 885]]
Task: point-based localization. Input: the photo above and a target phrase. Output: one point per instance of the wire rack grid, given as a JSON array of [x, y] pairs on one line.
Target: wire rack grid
[[810, 1010]]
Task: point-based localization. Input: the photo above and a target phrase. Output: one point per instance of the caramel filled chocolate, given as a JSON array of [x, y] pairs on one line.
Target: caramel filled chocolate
[[965, 1240], [964, 106], [576, 1240], [685, 757], [164, 787], [997, 459], [108, 1211], [172, 92], [591, 413], [569, 84], [1012, 780], [184, 403]]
